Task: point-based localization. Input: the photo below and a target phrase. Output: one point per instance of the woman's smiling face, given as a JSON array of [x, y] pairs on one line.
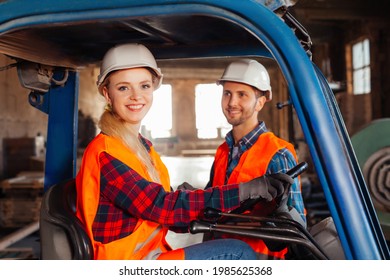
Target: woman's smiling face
[[130, 93]]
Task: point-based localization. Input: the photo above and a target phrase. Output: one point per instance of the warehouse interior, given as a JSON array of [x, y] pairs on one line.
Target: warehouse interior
[[186, 124]]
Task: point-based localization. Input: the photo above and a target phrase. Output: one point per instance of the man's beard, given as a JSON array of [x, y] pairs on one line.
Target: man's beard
[[243, 118]]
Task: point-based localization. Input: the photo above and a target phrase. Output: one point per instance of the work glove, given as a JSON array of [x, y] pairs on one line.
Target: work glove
[[186, 186], [267, 187]]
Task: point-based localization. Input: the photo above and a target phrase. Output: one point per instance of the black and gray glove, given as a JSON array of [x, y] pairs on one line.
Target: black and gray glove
[[186, 186], [267, 187]]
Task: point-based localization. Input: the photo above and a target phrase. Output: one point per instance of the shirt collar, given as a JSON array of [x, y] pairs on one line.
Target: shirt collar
[[248, 140]]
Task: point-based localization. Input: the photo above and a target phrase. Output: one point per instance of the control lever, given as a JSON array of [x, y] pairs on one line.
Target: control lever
[[249, 203], [297, 169]]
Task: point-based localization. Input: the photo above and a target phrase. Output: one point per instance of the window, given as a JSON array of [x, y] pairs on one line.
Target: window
[[361, 67], [210, 121], [159, 119]]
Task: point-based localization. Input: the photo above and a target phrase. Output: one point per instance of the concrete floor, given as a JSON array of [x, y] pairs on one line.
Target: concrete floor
[[194, 170]]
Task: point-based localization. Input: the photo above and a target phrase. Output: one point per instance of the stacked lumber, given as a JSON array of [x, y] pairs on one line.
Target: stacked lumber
[[20, 199]]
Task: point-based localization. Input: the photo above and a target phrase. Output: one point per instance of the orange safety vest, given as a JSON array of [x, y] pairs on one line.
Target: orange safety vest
[[148, 239], [253, 163]]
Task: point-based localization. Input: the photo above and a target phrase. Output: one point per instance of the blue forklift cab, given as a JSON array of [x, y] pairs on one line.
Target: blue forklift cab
[[62, 36]]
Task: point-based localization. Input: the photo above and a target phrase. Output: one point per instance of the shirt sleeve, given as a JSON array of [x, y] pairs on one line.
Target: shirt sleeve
[[132, 193], [281, 162]]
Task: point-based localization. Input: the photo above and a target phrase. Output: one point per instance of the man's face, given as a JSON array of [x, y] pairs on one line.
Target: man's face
[[240, 104]]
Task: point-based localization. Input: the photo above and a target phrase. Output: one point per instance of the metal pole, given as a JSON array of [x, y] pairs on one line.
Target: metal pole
[[18, 235]]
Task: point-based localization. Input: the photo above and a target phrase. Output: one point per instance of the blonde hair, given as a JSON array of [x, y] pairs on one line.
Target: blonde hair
[[112, 125]]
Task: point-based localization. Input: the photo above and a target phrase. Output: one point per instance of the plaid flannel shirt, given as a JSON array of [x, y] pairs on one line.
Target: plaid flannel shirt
[[126, 197]]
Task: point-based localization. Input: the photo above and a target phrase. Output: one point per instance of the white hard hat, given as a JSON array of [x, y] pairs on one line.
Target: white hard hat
[[128, 56], [250, 72]]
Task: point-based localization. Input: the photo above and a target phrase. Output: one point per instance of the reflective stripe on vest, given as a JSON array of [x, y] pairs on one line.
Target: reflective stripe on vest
[[148, 239], [253, 163]]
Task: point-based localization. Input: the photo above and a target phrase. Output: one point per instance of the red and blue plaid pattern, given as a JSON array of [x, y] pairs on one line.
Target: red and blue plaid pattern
[[126, 197]]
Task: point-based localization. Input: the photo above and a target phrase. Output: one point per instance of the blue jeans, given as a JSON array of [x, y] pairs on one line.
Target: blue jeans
[[220, 249]]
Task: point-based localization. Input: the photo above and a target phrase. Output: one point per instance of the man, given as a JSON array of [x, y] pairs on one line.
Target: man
[[250, 150]]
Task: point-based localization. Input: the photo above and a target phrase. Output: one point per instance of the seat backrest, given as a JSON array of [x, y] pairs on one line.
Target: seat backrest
[[62, 234], [326, 235]]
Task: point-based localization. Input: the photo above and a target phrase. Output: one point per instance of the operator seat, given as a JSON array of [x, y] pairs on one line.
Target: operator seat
[[62, 235], [326, 237]]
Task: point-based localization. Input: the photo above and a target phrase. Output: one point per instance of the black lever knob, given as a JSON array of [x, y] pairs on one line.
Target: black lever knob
[[212, 213], [298, 169], [199, 227]]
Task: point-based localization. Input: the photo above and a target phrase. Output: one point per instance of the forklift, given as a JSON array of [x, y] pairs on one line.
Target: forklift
[[51, 41]]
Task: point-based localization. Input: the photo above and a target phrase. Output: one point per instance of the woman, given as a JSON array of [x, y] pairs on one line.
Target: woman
[[123, 188]]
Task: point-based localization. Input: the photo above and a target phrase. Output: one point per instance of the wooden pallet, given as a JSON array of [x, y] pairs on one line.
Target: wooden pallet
[[20, 199], [26, 179]]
